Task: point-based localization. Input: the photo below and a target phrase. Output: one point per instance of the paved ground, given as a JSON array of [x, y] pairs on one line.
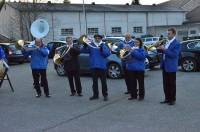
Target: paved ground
[[22, 112]]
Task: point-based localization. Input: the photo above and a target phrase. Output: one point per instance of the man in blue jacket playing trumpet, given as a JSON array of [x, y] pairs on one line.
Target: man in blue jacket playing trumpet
[[169, 63], [98, 66], [39, 62]]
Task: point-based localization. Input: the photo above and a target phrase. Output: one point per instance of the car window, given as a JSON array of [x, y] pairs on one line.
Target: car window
[[12, 47], [143, 40], [155, 39], [194, 45], [148, 39]]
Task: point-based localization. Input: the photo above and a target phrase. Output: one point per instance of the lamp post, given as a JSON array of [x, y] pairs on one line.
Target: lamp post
[[85, 19]]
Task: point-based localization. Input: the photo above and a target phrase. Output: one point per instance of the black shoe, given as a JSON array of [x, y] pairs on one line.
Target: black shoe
[[164, 102], [72, 94], [171, 103], [105, 98], [132, 98], [94, 97], [48, 96], [38, 95], [126, 93], [80, 95], [141, 98]]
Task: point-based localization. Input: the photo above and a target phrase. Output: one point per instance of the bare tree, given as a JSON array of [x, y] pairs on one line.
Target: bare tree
[[135, 2], [2, 2], [66, 1]]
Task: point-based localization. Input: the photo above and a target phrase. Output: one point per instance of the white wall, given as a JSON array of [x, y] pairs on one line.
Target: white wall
[[104, 21], [165, 18], [10, 22]]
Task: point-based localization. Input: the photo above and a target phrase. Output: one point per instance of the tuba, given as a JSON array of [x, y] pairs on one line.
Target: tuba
[[39, 29]]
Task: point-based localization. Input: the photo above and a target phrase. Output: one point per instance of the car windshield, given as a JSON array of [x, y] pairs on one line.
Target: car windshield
[[12, 47], [194, 45]]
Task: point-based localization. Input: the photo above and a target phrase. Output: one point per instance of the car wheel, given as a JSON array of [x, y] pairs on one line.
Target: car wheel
[[60, 70], [114, 71], [188, 64]]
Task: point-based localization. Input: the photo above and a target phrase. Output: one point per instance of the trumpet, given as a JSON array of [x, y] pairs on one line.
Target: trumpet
[[155, 45], [20, 45]]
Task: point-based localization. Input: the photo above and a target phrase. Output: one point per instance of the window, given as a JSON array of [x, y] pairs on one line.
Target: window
[[67, 31], [194, 45], [92, 31], [183, 33], [137, 29], [193, 32], [116, 30]]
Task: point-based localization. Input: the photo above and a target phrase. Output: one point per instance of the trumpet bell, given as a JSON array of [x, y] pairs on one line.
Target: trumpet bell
[[39, 28], [124, 54], [19, 44], [57, 59]]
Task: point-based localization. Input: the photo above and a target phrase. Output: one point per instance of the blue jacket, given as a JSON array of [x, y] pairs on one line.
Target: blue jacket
[[97, 56], [137, 63], [170, 63], [123, 45], [2, 54], [39, 57]]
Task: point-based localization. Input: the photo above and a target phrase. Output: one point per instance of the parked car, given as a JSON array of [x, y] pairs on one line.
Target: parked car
[[152, 57], [55, 44], [12, 54], [190, 55], [150, 40], [113, 40], [114, 67]]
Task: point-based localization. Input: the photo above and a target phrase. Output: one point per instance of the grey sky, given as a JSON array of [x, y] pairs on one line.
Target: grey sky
[[117, 1]]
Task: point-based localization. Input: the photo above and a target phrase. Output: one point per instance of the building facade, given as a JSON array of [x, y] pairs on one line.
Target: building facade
[[69, 19]]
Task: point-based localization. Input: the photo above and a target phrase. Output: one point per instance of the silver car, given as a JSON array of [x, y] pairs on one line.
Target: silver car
[[114, 68]]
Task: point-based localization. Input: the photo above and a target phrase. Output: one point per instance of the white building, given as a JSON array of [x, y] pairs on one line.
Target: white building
[[68, 19]]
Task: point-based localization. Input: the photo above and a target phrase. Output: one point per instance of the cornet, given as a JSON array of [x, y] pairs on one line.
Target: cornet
[[88, 41]]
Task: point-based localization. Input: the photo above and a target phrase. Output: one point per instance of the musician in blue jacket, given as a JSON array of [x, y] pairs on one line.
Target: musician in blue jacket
[[2, 54], [127, 43], [39, 62], [169, 63], [136, 67], [98, 65]]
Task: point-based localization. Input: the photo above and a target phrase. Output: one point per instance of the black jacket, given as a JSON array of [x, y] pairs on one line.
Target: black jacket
[[70, 60]]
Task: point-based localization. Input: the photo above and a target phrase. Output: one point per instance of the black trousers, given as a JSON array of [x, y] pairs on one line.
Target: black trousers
[[37, 74], [169, 85], [74, 76], [99, 73], [136, 76], [127, 80]]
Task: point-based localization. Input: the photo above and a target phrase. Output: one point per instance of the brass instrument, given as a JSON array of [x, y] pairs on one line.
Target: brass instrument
[[61, 52], [121, 53], [39, 29], [84, 40], [153, 47]]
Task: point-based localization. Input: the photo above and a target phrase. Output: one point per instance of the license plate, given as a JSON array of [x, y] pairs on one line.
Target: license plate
[[18, 52]]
